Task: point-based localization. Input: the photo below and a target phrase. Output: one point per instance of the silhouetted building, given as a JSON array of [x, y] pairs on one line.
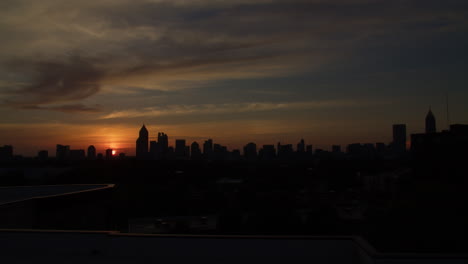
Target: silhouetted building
[[219, 152], [170, 153], [155, 150], [91, 152], [208, 149], [187, 152], [217, 148], [195, 153], [285, 151], [381, 148], [430, 122], [399, 138], [180, 149], [445, 145], [336, 148], [235, 154], [77, 154], [364, 151], [459, 130], [268, 152], [301, 146], [43, 155], [62, 152], [370, 150], [109, 154], [6, 152], [163, 143], [142, 144], [250, 151]]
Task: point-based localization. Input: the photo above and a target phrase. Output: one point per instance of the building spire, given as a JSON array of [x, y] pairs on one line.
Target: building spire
[[430, 122]]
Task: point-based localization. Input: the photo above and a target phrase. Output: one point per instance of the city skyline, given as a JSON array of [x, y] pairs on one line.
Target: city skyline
[[146, 145], [331, 72], [160, 124]]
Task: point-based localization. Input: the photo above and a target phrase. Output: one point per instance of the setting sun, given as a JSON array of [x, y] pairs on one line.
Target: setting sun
[[113, 152]]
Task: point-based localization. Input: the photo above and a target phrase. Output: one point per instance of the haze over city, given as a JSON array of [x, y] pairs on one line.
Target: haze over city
[[331, 72]]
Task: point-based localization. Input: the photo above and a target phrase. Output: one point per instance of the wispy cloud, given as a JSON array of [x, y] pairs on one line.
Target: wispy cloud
[[155, 44], [173, 110], [56, 81], [70, 108]]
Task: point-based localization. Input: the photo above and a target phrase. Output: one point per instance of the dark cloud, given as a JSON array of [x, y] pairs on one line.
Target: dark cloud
[[125, 40], [73, 79], [71, 108]]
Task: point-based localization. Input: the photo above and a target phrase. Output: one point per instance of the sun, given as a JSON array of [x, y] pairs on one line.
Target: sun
[[113, 152]]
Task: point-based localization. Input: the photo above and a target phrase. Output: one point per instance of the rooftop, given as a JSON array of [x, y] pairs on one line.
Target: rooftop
[[55, 246], [21, 193]]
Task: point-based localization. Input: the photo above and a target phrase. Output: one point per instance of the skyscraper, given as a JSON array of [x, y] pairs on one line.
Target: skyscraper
[[163, 144], [91, 152], [250, 151], [268, 152], [430, 122], [109, 154], [180, 148], [154, 150], [301, 146], [208, 149], [399, 137], [62, 152], [195, 151], [142, 144]]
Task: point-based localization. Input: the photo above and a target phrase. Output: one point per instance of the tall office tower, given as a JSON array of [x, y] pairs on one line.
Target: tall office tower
[[163, 143], [268, 152], [109, 154], [195, 153], [208, 149], [155, 150], [180, 148], [285, 151], [430, 122], [219, 152], [301, 146], [62, 152], [250, 151], [399, 137], [91, 152], [142, 144]]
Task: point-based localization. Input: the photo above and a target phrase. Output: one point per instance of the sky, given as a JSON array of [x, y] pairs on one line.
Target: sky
[[266, 71]]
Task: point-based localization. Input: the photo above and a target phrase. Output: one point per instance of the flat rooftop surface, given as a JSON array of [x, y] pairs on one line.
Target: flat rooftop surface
[[20, 193], [55, 246]]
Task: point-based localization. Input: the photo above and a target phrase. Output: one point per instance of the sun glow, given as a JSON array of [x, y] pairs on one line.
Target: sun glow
[[114, 152]]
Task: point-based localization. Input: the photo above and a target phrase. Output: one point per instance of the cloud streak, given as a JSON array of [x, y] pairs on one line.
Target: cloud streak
[[175, 110], [70, 108], [157, 44]]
